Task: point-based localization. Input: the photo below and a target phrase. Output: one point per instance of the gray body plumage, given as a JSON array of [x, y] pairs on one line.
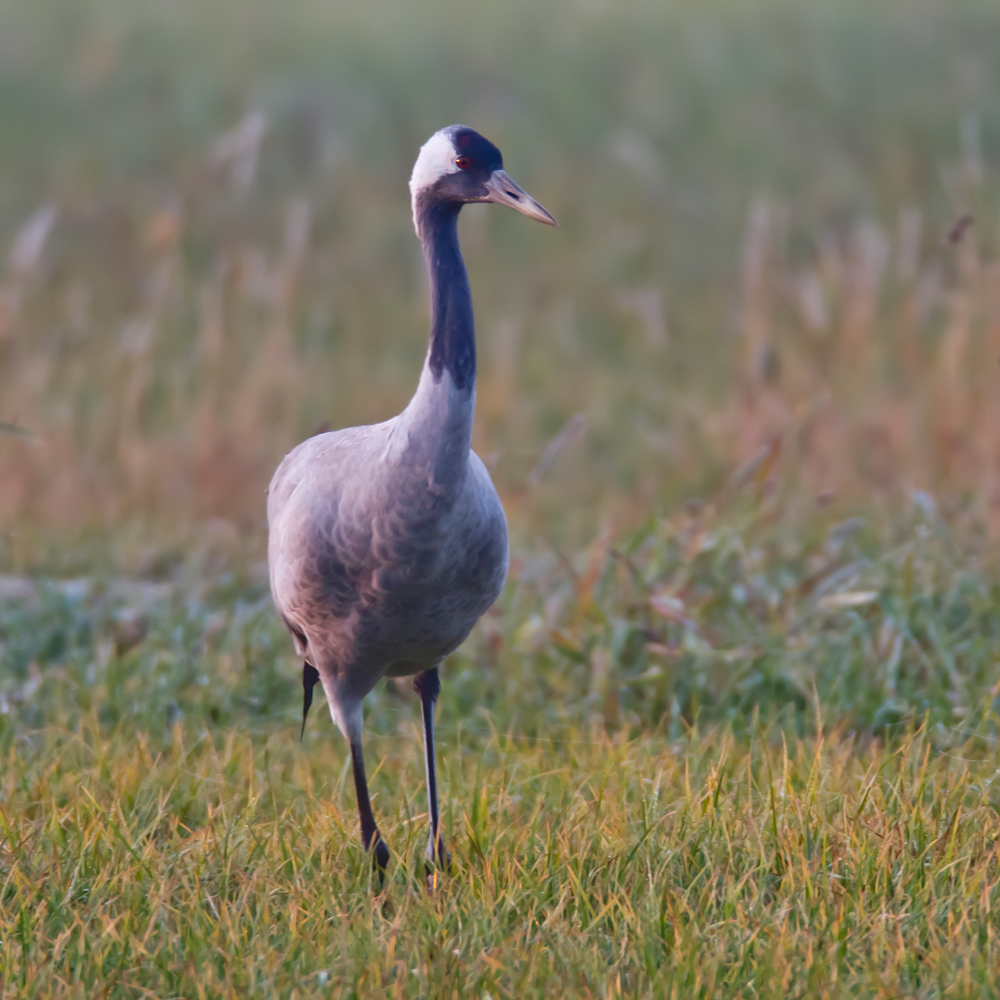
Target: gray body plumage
[[387, 543]]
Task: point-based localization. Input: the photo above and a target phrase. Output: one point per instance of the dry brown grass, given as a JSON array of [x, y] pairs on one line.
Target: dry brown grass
[[193, 298], [871, 367], [155, 360]]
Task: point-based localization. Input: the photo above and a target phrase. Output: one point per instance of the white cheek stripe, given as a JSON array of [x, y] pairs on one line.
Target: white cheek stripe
[[436, 159]]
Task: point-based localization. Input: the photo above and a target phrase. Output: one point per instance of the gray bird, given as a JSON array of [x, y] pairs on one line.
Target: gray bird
[[388, 542]]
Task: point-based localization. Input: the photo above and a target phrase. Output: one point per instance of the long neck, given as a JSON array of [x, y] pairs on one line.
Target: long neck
[[452, 346], [439, 418]]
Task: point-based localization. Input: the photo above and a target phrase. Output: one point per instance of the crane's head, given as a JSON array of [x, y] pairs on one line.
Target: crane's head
[[458, 165]]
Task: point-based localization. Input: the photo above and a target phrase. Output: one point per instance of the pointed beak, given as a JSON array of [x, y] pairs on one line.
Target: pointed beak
[[504, 191]]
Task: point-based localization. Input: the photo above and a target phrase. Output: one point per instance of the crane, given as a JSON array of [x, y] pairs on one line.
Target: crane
[[386, 543]]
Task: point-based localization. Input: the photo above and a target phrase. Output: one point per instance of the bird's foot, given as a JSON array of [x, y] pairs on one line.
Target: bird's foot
[[380, 856], [381, 860], [438, 860]]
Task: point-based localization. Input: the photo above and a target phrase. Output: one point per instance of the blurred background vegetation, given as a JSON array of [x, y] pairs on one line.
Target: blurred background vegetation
[[778, 252]]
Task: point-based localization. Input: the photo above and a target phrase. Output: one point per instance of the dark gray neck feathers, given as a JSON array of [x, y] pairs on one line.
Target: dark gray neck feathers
[[453, 337]]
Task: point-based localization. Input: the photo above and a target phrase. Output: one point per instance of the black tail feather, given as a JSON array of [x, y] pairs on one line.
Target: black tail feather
[[310, 677]]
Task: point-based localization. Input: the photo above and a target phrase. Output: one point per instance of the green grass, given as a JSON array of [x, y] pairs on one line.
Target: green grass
[[701, 867], [700, 761]]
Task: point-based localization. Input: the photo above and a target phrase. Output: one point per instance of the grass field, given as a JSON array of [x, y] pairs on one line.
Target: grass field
[[733, 728], [703, 762]]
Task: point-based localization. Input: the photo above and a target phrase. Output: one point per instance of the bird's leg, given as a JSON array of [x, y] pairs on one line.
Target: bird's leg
[[369, 831], [428, 686]]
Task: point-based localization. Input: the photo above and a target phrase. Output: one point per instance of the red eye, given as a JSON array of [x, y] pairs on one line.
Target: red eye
[[463, 163]]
